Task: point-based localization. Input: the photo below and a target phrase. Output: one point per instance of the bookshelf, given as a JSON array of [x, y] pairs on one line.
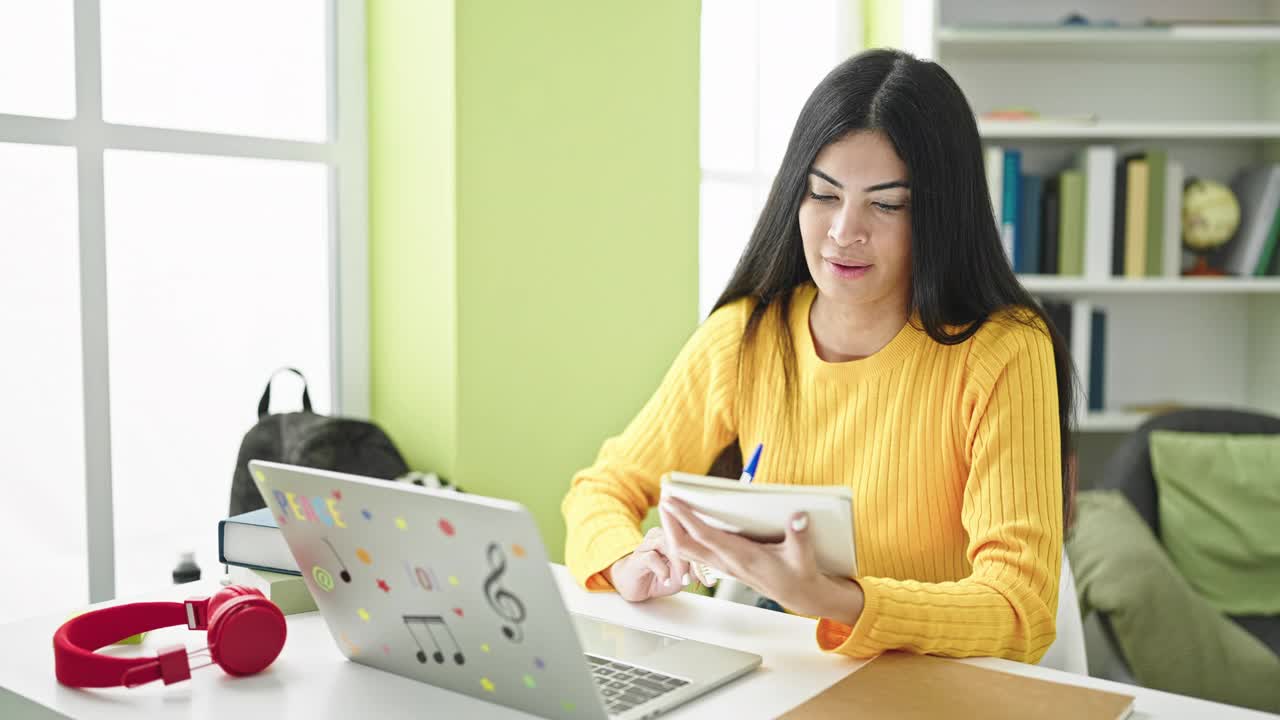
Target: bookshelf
[[1208, 95]]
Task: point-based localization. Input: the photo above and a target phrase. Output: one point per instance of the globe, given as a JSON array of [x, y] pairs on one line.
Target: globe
[[1210, 215]]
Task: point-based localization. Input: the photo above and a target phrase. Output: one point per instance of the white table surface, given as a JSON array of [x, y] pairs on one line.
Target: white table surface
[[312, 680]]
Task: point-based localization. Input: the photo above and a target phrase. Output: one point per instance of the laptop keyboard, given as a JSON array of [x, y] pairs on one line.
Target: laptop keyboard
[[625, 686]]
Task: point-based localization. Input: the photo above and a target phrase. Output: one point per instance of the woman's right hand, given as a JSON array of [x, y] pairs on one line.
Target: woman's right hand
[[649, 571]]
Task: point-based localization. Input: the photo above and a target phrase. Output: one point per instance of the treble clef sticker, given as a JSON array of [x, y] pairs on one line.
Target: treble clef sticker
[[503, 601]]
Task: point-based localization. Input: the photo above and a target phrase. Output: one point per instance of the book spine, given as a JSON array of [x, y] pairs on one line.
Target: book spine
[[1049, 226], [994, 161], [1028, 250], [1097, 361], [1157, 161], [1135, 221], [1119, 211], [1011, 185], [1099, 165], [1071, 224], [1081, 353], [1175, 176]]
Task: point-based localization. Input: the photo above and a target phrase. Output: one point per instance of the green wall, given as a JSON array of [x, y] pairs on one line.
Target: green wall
[[570, 234]]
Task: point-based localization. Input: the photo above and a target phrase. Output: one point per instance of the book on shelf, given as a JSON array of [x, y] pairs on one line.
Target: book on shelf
[[1135, 218], [1071, 223], [1097, 163], [1011, 185], [1050, 212], [253, 540], [1083, 326], [994, 164], [1028, 238], [1157, 161], [1258, 190], [1175, 178]]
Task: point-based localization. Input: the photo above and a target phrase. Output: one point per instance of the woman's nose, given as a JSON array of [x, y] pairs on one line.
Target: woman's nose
[[847, 229]]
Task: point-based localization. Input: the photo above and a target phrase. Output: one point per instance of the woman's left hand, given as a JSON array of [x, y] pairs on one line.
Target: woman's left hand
[[786, 572]]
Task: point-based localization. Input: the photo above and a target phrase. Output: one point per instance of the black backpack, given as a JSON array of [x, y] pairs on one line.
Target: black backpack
[[311, 440]]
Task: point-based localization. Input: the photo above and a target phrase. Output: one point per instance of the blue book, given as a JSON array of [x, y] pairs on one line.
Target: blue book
[[1009, 208], [253, 540], [1097, 360], [1028, 231]]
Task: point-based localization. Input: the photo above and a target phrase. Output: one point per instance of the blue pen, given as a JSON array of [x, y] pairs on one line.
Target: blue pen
[[749, 473]]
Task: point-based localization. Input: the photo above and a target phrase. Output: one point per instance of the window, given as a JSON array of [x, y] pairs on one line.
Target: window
[[760, 61], [182, 211]]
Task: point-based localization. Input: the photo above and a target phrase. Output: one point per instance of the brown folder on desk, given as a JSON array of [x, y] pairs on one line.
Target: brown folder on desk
[[904, 686]]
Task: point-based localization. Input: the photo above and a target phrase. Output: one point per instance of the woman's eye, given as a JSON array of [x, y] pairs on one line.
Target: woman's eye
[[886, 207], [821, 198]]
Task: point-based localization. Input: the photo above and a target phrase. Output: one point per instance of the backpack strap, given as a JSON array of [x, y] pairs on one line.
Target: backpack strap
[[265, 402]]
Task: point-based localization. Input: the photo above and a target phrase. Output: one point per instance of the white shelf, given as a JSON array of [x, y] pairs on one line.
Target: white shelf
[[1079, 286], [1189, 41], [1048, 130]]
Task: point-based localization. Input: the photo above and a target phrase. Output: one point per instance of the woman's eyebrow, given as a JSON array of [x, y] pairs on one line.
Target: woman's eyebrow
[[872, 188], [886, 185]]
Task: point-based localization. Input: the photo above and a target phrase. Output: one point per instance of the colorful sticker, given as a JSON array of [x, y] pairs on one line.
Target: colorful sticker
[[486, 684], [537, 662], [364, 556], [446, 527], [400, 523], [517, 550], [351, 647], [504, 602], [457, 611], [345, 575], [484, 648], [383, 586], [367, 515], [431, 623], [259, 474], [529, 683], [386, 650], [364, 614], [322, 577], [337, 495], [453, 580]]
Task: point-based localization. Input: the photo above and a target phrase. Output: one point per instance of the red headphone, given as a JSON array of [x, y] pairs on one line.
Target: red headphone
[[246, 632]]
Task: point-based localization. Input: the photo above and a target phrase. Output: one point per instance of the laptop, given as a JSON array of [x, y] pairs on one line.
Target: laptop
[[455, 590]]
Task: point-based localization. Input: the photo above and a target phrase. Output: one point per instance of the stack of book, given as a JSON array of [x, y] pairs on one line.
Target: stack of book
[[1108, 215]]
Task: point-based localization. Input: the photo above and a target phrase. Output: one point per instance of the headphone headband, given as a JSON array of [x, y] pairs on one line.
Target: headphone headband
[[251, 625]]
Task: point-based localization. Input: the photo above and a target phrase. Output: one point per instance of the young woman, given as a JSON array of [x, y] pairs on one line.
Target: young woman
[[873, 335]]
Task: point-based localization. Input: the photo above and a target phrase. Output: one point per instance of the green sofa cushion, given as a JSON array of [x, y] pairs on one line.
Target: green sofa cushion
[[1171, 638], [1218, 499]]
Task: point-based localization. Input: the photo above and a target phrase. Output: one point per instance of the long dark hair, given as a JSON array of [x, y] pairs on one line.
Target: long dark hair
[[960, 275]]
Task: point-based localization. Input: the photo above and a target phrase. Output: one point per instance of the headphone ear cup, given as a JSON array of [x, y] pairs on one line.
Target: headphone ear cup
[[246, 630]]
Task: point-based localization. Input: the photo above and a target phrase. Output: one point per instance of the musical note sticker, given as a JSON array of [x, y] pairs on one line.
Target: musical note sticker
[[345, 575], [503, 601], [429, 623]]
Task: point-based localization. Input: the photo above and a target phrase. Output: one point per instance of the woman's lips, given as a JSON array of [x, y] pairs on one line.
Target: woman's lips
[[848, 269]]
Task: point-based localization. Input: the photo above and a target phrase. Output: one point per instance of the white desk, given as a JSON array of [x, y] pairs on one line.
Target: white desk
[[312, 680]]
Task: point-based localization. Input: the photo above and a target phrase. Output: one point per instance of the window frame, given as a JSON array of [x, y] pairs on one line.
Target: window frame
[[344, 153]]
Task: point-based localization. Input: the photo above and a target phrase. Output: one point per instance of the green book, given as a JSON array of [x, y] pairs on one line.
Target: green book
[[1071, 223], [1269, 249], [288, 592], [1157, 161]]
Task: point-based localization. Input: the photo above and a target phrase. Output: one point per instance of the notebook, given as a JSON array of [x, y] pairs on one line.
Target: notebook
[[761, 511], [902, 686]]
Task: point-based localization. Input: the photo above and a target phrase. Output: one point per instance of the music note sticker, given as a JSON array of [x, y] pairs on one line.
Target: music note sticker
[[503, 601], [345, 575], [430, 623]]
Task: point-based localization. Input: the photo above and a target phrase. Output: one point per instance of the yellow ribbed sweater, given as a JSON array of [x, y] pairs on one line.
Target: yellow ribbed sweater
[[952, 453]]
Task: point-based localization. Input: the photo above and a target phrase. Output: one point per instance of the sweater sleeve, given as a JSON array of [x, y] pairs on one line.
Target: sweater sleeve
[[684, 426], [1011, 511]]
